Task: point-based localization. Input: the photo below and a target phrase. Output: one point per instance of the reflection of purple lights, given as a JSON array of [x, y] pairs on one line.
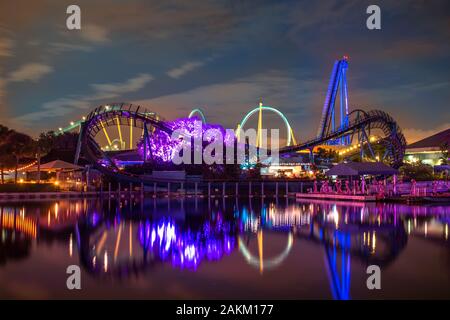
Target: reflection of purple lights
[[214, 249], [163, 147], [186, 249], [164, 232], [95, 219]]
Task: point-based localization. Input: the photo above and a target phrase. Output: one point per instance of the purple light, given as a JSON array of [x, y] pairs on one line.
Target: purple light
[[95, 219], [162, 147], [186, 249]]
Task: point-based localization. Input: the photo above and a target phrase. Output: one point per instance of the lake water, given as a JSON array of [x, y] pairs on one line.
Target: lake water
[[223, 248]]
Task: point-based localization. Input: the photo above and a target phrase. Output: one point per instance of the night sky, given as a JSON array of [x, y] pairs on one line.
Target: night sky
[[223, 56]]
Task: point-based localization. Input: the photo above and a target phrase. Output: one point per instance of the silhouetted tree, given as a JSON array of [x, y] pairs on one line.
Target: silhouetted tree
[[444, 153], [6, 157], [20, 145]]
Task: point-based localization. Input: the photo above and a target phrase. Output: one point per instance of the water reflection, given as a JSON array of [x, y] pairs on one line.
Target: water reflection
[[127, 239]]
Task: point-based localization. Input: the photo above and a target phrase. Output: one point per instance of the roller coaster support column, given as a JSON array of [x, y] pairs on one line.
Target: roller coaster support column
[[145, 142], [262, 189], [168, 189], [209, 189], [78, 150], [287, 189], [361, 148], [154, 189], [236, 191], [109, 190], [249, 189], [196, 187], [142, 190], [118, 191], [276, 189], [223, 189], [131, 189], [365, 137]]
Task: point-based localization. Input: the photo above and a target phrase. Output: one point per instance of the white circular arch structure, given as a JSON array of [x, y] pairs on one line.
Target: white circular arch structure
[[276, 111]]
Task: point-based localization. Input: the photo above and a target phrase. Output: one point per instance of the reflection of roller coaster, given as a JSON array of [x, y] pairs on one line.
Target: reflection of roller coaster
[[123, 243], [150, 243]]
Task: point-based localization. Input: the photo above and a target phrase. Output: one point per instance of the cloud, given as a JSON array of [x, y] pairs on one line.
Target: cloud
[[115, 89], [6, 46], [2, 88], [185, 68], [94, 33], [101, 92], [227, 103], [61, 47], [3, 107], [30, 71]]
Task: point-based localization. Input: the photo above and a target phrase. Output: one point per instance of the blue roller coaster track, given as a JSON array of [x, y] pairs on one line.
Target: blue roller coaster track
[[328, 120]]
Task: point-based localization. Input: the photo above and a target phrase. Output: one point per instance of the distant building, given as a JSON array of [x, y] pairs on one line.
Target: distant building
[[428, 150], [288, 167]]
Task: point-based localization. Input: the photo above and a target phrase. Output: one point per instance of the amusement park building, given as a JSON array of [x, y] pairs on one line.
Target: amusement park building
[[429, 150]]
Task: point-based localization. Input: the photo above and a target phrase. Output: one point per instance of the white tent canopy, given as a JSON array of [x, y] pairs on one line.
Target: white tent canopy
[[56, 165]]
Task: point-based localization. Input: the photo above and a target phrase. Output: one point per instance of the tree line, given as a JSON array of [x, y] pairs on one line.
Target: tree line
[[16, 146]]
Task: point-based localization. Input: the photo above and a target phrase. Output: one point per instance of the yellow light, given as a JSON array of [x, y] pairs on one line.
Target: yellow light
[[83, 118], [259, 132], [116, 249], [101, 242], [106, 261], [260, 250], [118, 128], [72, 123], [294, 142], [106, 133], [238, 129], [56, 183], [21, 181], [131, 133], [374, 241]]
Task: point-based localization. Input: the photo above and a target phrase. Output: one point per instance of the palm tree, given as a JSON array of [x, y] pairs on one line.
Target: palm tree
[[444, 153], [43, 145], [21, 145], [6, 158]]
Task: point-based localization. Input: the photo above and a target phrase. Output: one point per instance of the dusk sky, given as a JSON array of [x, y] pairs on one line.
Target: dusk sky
[[223, 56]]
